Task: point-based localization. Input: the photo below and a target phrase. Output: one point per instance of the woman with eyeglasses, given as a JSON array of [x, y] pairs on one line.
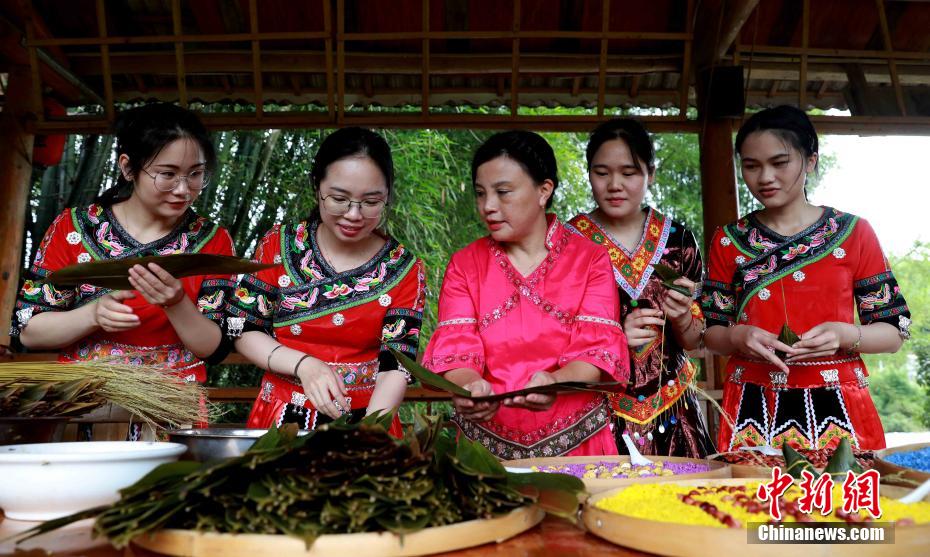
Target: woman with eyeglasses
[[165, 157], [320, 322], [530, 304]]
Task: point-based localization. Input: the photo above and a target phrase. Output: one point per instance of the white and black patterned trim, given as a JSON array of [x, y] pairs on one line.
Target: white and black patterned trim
[[596, 319], [458, 321]]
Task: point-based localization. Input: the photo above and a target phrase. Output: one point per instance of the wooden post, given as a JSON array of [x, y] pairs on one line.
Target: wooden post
[[16, 162], [718, 194]]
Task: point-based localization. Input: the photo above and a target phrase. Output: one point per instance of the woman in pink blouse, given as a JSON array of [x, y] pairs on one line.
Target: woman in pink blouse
[[531, 304]]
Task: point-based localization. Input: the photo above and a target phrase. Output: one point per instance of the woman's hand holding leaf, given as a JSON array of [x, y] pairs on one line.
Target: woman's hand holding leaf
[[476, 411], [758, 343], [535, 401]]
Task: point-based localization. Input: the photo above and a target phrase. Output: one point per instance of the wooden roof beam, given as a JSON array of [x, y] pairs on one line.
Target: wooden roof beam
[[223, 62], [65, 84], [718, 23]]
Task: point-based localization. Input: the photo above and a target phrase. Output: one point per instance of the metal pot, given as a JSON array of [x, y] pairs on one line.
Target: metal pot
[[215, 443]]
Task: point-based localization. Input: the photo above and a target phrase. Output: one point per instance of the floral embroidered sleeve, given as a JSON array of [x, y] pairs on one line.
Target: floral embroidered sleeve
[[718, 296], [455, 343], [55, 252], [255, 299], [403, 319], [216, 290], [597, 336], [878, 297]]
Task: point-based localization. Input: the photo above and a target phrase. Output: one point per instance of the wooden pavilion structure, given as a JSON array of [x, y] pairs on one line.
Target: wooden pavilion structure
[[415, 63]]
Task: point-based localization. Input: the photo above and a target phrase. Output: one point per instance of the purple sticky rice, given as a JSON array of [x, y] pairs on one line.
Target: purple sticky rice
[[602, 468]]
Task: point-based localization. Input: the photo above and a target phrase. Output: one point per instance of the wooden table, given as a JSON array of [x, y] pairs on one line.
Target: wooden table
[[552, 537]]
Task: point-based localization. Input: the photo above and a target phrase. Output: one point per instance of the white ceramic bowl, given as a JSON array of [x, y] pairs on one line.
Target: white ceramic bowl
[[49, 480]]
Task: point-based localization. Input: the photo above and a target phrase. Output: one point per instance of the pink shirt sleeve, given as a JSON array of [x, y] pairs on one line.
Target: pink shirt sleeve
[[597, 336], [455, 343]]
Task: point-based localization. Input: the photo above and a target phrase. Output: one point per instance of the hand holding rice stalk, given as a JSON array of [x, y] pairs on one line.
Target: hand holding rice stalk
[[157, 397]]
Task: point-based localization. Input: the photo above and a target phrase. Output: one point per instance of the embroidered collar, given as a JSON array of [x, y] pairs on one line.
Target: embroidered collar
[[312, 288], [754, 239], [554, 230], [389, 244], [771, 260], [632, 270], [104, 237], [557, 237]]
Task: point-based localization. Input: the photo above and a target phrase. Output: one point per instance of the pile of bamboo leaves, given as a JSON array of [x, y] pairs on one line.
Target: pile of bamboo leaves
[[25, 399], [148, 392], [342, 478]]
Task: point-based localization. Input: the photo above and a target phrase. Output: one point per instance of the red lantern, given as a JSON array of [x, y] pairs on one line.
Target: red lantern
[[47, 149]]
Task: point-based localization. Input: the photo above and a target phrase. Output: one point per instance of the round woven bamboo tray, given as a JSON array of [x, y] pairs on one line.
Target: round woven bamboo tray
[[684, 540], [595, 485], [744, 470], [899, 475], [188, 543], [747, 471]]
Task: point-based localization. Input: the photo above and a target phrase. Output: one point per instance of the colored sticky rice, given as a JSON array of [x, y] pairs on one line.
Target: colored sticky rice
[[612, 470], [662, 502], [918, 460]]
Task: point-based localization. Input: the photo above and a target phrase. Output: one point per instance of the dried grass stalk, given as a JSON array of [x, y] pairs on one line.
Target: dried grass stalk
[[149, 392]]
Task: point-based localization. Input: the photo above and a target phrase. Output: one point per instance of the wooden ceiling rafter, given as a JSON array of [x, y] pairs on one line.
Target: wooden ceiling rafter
[[892, 66], [108, 107], [695, 47]]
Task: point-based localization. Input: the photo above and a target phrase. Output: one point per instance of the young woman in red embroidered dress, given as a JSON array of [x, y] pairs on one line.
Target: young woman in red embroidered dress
[[657, 410], [342, 292], [165, 158], [796, 264], [531, 304]]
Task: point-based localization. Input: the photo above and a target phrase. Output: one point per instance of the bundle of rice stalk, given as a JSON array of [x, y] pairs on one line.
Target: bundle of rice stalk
[[63, 399], [148, 392]]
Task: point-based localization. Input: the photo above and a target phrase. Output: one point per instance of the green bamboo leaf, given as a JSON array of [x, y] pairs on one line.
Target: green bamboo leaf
[[172, 471], [114, 273], [50, 525], [795, 463], [547, 480], [475, 456], [786, 336], [842, 460], [427, 377], [556, 388], [669, 276]]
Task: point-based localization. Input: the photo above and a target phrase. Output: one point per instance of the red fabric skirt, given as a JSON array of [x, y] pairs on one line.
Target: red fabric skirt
[[813, 407], [277, 392]]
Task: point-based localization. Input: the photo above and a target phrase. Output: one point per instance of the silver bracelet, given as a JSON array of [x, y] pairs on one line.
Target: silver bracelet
[[300, 361], [268, 363]]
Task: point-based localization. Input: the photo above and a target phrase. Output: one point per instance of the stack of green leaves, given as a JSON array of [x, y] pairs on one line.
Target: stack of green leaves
[[21, 398], [341, 478]]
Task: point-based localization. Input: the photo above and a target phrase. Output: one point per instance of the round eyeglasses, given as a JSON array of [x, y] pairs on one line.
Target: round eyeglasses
[[338, 205], [166, 181]]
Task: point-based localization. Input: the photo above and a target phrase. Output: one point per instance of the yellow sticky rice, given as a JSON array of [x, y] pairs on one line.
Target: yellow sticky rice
[[660, 502]]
